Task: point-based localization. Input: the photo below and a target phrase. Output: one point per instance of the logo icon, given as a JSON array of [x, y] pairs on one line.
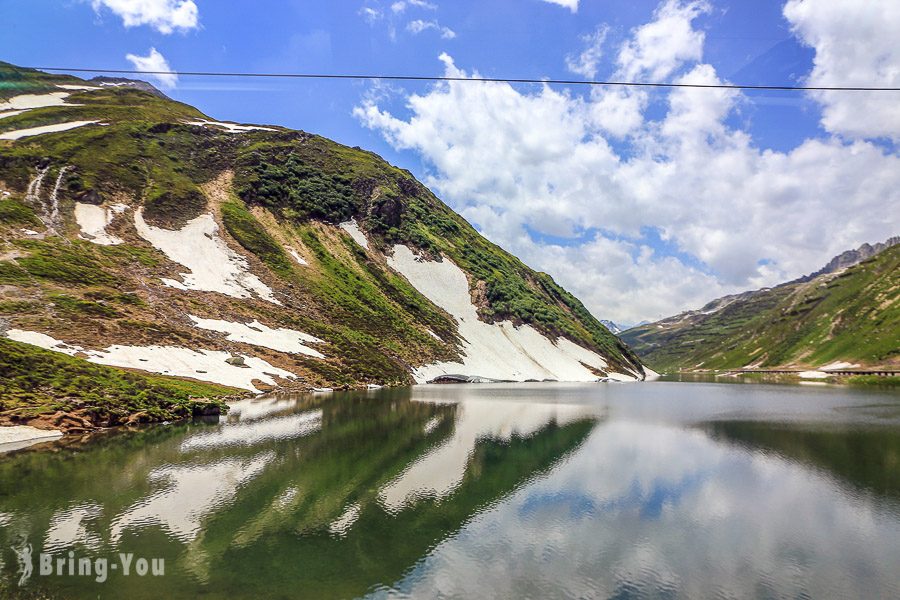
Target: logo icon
[[23, 555]]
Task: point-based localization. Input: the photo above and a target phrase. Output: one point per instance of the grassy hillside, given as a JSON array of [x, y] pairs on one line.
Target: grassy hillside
[[44, 385], [853, 316], [271, 192]]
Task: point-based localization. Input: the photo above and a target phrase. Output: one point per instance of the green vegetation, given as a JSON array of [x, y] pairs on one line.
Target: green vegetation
[[55, 260], [250, 234], [34, 381], [296, 189], [76, 306], [15, 213], [854, 316], [875, 381]]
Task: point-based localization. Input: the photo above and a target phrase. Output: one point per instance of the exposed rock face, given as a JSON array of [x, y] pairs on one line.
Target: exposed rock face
[[852, 257], [613, 328]]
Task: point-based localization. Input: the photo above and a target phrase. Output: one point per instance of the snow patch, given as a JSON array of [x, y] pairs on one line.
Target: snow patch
[[650, 374], [214, 267], [20, 436], [300, 260], [838, 366], [32, 131], [77, 87], [230, 127], [12, 113], [93, 220], [29, 101], [257, 334], [352, 227], [812, 375], [204, 365], [497, 351]]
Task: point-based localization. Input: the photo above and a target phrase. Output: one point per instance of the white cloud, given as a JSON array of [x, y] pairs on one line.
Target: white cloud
[[418, 26], [371, 14], [656, 49], [539, 160], [401, 5], [153, 63], [165, 16], [585, 63], [570, 4], [856, 45]]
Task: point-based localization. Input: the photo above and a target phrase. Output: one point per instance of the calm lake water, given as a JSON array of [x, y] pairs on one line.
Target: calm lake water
[[655, 490]]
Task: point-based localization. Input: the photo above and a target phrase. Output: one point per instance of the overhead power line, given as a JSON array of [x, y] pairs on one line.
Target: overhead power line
[[726, 86]]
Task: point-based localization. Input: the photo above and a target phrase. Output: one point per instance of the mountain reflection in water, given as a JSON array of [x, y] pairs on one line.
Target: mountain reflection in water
[[666, 489]]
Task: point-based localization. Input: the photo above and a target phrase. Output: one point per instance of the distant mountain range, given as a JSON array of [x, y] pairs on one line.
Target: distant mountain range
[[848, 311]]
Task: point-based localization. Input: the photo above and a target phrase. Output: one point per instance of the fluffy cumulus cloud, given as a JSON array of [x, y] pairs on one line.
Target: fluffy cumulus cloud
[[156, 65], [570, 4], [856, 45], [165, 16], [692, 208]]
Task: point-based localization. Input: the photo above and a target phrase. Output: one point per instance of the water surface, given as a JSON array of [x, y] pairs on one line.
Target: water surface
[[655, 490]]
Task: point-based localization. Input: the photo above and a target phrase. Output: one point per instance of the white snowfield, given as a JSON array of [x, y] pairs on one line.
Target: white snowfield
[[497, 351], [93, 220], [32, 131], [439, 472], [20, 436], [204, 365], [214, 267], [257, 334], [29, 101], [229, 127], [352, 227]]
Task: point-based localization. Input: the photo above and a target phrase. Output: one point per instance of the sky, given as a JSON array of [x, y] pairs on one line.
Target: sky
[[642, 202]]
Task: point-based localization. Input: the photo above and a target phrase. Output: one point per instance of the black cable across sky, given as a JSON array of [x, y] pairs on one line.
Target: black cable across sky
[[726, 86]]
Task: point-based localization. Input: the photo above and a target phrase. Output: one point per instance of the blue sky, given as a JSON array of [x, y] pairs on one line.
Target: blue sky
[[621, 238], [528, 38]]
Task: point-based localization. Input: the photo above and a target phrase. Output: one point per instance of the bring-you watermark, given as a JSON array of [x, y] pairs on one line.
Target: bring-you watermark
[[98, 568]]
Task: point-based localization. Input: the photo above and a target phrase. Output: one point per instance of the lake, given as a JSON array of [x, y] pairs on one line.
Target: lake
[[652, 490]]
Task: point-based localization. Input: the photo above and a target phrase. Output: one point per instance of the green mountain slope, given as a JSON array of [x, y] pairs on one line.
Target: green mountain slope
[[850, 315], [85, 214]]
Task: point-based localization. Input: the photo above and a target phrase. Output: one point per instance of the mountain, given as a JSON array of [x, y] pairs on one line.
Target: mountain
[[851, 257], [848, 312], [613, 328], [137, 232]]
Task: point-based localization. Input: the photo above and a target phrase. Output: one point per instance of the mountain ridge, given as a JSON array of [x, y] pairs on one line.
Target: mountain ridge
[[134, 229], [734, 331]]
